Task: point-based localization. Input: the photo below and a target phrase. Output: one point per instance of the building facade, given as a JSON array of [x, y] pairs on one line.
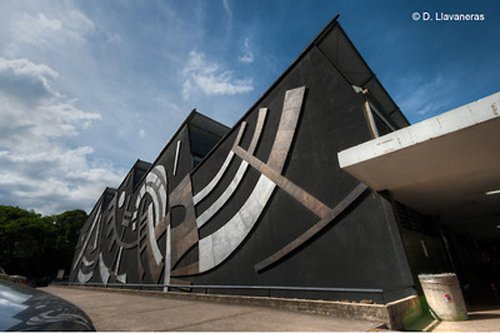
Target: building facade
[[265, 203]]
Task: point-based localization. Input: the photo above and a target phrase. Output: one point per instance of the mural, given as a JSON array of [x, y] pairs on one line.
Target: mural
[[146, 211], [264, 202]]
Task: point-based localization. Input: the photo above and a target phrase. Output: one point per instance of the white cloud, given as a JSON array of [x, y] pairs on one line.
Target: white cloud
[[186, 89], [421, 100], [113, 38], [141, 133], [222, 84], [26, 81], [43, 31], [72, 79], [227, 8], [79, 22], [247, 56], [31, 29], [166, 105], [26, 67], [38, 169], [210, 79], [29, 101]]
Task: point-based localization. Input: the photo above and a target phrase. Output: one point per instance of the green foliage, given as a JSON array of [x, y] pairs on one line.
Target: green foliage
[[37, 246]]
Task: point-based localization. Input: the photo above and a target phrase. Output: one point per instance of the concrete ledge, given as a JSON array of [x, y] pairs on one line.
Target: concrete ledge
[[403, 311], [391, 314], [481, 111]]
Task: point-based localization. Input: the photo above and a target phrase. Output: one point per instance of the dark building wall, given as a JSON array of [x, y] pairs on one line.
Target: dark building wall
[[423, 243], [362, 249], [118, 223], [268, 205], [85, 247]]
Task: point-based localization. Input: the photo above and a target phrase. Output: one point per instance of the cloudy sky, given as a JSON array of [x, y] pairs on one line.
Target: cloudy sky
[[87, 87]]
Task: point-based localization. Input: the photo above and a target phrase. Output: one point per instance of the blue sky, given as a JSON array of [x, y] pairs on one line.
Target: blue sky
[[87, 87]]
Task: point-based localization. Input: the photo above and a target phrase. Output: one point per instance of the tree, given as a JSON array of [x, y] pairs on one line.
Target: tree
[[68, 225], [37, 246]]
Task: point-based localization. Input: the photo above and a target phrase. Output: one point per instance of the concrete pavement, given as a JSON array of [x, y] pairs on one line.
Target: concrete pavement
[[131, 312], [479, 321]]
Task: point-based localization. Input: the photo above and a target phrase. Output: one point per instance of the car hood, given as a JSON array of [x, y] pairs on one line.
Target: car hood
[[27, 309]]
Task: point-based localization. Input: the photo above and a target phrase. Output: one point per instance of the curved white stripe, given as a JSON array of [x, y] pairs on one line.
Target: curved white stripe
[[103, 270], [163, 173], [94, 222], [142, 191], [152, 240], [155, 186], [156, 204], [121, 199], [215, 248], [210, 186], [224, 197], [87, 262], [229, 191], [122, 278], [96, 239], [84, 278]]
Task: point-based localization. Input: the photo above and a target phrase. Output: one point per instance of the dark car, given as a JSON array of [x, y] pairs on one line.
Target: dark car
[[27, 309], [14, 278]]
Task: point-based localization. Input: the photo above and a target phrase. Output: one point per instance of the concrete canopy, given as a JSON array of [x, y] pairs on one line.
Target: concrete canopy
[[442, 166]]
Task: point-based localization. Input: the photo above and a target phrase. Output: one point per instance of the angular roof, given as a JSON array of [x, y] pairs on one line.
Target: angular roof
[[340, 51]]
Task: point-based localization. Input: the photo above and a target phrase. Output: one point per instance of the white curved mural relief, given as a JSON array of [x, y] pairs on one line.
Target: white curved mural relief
[[150, 217]]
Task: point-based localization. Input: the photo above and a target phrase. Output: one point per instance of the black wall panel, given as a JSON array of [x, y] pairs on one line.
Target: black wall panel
[[220, 221]]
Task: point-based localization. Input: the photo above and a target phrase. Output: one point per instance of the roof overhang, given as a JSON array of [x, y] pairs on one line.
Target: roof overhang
[[442, 166]]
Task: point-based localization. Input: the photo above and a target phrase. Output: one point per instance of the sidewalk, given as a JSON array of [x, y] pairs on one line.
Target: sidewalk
[[479, 321], [118, 311]]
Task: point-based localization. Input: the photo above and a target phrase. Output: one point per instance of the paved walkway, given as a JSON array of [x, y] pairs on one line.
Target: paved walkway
[[130, 312], [479, 321]]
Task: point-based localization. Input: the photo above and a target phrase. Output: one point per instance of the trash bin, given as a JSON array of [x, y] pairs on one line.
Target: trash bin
[[444, 295]]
